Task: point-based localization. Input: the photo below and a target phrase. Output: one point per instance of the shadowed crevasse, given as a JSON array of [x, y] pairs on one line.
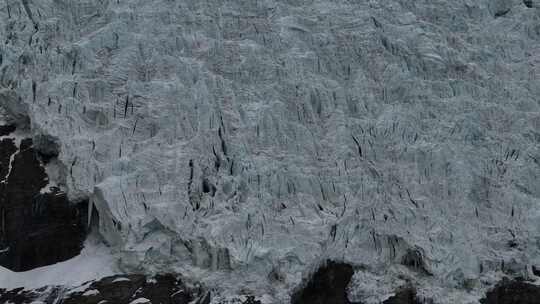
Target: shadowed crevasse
[[36, 229]]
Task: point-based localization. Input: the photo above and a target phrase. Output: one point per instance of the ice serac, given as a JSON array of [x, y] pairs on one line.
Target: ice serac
[[244, 143]]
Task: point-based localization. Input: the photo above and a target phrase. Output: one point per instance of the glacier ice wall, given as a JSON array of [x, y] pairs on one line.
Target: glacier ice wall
[[244, 142]]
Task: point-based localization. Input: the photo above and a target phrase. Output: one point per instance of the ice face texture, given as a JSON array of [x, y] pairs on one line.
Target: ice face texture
[[245, 142]]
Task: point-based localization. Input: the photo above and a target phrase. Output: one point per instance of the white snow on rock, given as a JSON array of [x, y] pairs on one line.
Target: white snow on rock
[[230, 140], [140, 301], [94, 262], [91, 292]]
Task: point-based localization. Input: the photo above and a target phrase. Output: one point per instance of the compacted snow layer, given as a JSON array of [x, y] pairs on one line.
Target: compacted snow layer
[[242, 143]]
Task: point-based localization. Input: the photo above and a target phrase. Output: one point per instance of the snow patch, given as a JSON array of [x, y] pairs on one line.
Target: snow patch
[[94, 262], [17, 136], [140, 301], [11, 159], [91, 292], [121, 280]]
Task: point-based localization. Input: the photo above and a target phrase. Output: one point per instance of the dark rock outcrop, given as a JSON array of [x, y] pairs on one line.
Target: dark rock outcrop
[[327, 286], [164, 289], [47, 147], [7, 148], [125, 289], [7, 129], [21, 296], [404, 296], [513, 292], [36, 229], [536, 271]]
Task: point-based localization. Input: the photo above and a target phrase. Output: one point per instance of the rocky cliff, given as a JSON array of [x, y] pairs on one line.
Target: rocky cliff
[[38, 226], [245, 143]]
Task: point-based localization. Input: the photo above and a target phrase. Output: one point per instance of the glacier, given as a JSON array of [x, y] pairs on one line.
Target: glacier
[[244, 143]]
